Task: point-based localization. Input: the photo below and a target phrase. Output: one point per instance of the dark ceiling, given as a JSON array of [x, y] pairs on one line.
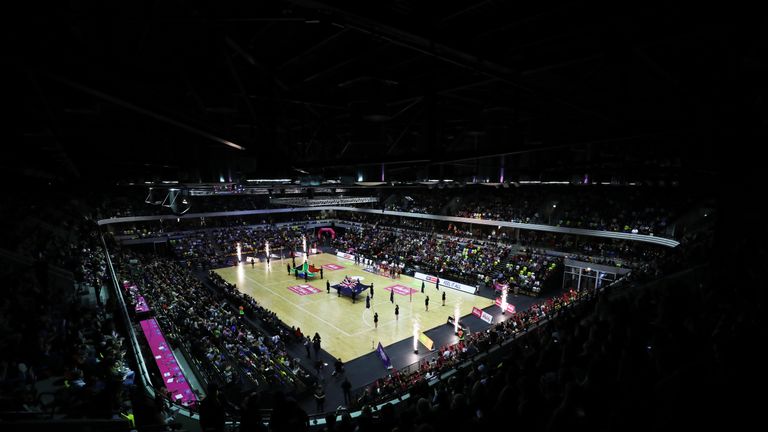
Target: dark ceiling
[[166, 89]]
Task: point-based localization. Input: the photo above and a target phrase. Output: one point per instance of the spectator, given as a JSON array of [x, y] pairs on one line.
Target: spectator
[[338, 367], [212, 411], [346, 388], [320, 398], [316, 343]]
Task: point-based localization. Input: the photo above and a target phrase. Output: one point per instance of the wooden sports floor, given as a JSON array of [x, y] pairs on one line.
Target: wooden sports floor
[[347, 329]]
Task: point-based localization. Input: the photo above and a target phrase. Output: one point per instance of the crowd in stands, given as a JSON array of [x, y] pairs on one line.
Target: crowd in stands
[[390, 221], [252, 309], [450, 356], [614, 252], [252, 240], [204, 252], [456, 253], [640, 210], [218, 247], [62, 355], [620, 253], [230, 350], [173, 228], [419, 202], [621, 209], [450, 257], [197, 250]]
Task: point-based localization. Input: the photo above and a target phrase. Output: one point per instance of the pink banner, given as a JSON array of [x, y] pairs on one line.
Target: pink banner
[[304, 289], [328, 230], [345, 256], [400, 290], [483, 315], [141, 305], [133, 290], [173, 378], [510, 306], [333, 267], [430, 278]]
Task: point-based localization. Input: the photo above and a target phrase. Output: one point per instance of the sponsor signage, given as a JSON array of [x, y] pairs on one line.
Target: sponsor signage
[[383, 356], [400, 290], [141, 304], [445, 282], [426, 341], [483, 315], [304, 289], [173, 377], [133, 290], [332, 267], [510, 307], [345, 256], [500, 287], [486, 317]]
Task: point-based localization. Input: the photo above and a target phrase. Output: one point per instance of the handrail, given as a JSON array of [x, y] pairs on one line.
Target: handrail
[[146, 382], [526, 226], [143, 374]]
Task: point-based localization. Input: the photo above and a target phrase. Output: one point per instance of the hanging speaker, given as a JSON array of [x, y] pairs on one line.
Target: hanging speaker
[[178, 200]]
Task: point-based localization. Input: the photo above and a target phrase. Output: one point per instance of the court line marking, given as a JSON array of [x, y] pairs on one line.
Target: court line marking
[[295, 304], [364, 320], [405, 313], [279, 283], [370, 327]]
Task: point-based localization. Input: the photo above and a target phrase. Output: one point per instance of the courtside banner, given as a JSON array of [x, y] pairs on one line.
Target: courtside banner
[[345, 256], [426, 341], [500, 287], [487, 317], [510, 307], [483, 315], [383, 356], [445, 282]]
